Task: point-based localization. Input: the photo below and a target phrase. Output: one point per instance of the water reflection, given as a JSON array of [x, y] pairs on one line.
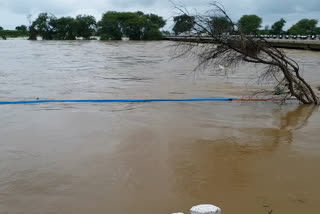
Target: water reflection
[[298, 118], [235, 170], [291, 122], [170, 157]]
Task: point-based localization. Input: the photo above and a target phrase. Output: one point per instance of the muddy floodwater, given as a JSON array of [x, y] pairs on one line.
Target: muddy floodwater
[[155, 158]]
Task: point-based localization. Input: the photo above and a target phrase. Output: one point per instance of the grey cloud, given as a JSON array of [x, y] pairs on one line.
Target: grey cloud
[[25, 7], [289, 6], [133, 3]]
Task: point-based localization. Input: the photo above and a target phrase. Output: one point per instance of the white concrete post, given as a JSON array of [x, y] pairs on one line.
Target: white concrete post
[[205, 209]]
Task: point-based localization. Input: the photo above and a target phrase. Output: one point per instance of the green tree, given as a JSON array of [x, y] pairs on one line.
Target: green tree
[[32, 33], [113, 25], [183, 23], [153, 25], [249, 24], [156, 20], [304, 27], [42, 27], [153, 34], [136, 26], [1, 28], [220, 25], [63, 28], [109, 26], [22, 28], [85, 26], [277, 27], [133, 25]]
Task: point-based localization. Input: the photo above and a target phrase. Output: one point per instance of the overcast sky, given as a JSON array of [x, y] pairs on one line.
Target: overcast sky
[[14, 12]]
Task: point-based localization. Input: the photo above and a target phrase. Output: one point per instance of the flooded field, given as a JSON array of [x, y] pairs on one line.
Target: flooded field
[[148, 157]]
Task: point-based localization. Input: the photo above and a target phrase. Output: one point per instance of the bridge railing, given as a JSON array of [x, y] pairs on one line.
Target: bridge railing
[[266, 36]]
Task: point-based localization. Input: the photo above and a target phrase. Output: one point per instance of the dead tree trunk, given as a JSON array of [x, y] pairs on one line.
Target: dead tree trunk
[[229, 46]]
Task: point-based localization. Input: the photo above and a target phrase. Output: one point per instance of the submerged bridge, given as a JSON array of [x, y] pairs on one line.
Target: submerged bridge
[[305, 44]]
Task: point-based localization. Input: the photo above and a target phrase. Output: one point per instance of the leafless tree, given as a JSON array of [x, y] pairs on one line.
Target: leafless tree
[[228, 46]]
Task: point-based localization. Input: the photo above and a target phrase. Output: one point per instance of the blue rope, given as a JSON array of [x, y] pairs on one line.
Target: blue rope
[[117, 101]]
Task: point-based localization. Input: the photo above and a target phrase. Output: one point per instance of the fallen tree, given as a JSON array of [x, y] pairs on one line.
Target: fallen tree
[[229, 46]]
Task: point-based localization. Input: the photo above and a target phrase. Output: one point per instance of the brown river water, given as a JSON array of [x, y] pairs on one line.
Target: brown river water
[[157, 158]]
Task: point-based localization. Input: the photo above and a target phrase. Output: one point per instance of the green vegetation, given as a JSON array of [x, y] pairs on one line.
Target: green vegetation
[[50, 27], [42, 26], [4, 34], [220, 25], [183, 23], [85, 26], [22, 28], [1, 33], [113, 26], [305, 27], [277, 27], [63, 28], [249, 24], [136, 26], [139, 26], [302, 27]]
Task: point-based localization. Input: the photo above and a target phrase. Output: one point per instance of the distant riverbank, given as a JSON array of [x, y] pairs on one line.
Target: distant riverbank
[[12, 34]]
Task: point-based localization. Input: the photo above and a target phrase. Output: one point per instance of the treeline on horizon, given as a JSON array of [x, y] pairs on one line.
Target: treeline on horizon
[[113, 26], [139, 26], [248, 24]]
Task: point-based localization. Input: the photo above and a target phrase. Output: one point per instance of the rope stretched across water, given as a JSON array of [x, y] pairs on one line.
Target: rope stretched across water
[[133, 100]]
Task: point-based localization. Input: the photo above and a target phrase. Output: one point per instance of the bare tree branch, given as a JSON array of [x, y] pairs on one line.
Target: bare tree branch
[[229, 46]]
